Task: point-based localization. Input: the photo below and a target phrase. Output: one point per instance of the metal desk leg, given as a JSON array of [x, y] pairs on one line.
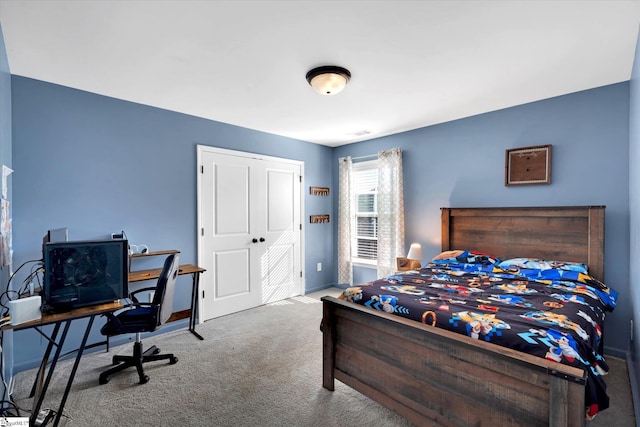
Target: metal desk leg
[[45, 357], [194, 305], [73, 371], [43, 392]]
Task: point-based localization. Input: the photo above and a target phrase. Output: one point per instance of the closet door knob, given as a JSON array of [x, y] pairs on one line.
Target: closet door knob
[[254, 240], [262, 239]]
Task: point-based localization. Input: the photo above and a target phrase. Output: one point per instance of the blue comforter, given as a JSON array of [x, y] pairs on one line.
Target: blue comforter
[[554, 314]]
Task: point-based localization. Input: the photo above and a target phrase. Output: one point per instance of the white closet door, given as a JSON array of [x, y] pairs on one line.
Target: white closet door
[[280, 259], [250, 237]]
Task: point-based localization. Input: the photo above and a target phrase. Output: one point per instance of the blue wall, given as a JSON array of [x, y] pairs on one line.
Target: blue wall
[[634, 213], [5, 124], [5, 159], [461, 164], [99, 165]]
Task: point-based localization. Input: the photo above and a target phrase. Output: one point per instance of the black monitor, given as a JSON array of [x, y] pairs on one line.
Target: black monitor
[[84, 273]]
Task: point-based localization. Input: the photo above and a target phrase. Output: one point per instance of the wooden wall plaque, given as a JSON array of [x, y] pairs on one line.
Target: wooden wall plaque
[[528, 165]]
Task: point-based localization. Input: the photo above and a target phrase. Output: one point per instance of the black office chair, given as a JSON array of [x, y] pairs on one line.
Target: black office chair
[[144, 317]]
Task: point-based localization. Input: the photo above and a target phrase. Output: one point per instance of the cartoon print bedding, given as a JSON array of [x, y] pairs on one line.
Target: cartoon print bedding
[[550, 309]]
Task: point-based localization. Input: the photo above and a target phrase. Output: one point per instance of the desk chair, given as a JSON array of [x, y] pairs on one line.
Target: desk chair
[[144, 317]]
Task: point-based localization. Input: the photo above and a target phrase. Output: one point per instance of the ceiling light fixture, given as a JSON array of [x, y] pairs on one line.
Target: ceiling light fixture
[[328, 79]]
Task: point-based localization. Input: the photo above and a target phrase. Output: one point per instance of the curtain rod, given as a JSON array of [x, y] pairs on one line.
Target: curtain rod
[[368, 156]]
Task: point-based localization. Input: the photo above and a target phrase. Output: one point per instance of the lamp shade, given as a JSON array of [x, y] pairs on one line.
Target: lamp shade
[[415, 252], [328, 79]]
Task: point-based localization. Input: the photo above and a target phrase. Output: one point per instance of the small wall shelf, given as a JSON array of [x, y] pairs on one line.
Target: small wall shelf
[[319, 191], [155, 253], [318, 219]]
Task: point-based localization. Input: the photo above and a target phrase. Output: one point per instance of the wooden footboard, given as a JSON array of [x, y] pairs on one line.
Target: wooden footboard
[[435, 377]]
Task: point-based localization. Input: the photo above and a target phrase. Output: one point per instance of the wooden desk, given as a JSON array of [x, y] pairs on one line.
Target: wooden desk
[[57, 319], [49, 318], [194, 270]]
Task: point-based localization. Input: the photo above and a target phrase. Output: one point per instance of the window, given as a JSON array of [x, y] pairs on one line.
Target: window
[[364, 179], [370, 214]]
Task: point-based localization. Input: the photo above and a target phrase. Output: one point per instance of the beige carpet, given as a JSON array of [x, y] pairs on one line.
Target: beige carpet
[[620, 413], [261, 367]]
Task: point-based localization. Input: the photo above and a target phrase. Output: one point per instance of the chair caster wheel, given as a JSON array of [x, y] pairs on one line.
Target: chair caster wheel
[[103, 381], [144, 379], [173, 360], [156, 351]]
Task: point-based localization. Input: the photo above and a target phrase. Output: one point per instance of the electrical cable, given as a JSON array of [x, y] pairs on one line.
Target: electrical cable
[[7, 407], [18, 269], [34, 274], [3, 402], [5, 294], [4, 410]]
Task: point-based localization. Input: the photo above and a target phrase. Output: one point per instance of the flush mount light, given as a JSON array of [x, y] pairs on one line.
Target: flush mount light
[[328, 79]]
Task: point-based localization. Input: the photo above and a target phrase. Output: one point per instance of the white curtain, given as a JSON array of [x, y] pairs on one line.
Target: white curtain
[[345, 270], [390, 211]]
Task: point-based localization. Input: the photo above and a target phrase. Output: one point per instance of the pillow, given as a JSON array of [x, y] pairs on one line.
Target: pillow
[[543, 264], [464, 257]]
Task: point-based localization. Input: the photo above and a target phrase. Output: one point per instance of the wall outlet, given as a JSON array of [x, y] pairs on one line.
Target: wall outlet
[[319, 266]]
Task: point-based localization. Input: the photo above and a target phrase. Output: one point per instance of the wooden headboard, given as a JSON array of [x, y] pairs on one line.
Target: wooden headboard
[[572, 233]]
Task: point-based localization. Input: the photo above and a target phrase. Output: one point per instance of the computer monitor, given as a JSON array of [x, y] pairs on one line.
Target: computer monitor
[[84, 273]]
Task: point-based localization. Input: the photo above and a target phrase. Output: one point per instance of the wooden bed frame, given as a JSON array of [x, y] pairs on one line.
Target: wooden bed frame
[[432, 376]]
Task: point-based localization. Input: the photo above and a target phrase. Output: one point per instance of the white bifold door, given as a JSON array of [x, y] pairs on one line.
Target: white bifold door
[[250, 230]]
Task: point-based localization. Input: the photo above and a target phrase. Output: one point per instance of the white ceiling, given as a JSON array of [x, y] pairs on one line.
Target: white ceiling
[[414, 63]]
